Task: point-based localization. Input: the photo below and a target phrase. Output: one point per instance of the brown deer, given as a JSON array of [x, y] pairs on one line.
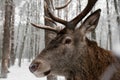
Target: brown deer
[[73, 55]]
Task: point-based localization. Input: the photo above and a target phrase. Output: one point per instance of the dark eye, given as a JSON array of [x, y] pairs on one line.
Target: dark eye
[[67, 41]]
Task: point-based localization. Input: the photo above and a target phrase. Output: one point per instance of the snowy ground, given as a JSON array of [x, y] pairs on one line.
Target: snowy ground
[[23, 73]]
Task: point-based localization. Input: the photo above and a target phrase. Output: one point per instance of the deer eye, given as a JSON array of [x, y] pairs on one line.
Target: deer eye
[[68, 40]]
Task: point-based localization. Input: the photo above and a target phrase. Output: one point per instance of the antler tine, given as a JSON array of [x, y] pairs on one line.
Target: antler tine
[[54, 29], [49, 19], [67, 3], [56, 18], [69, 24], [87, 9]]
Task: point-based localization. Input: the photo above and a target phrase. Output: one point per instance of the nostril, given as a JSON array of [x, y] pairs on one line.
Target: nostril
[[34, 67]]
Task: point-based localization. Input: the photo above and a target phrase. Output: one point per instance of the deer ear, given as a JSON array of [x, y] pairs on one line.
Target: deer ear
[[91, 22]]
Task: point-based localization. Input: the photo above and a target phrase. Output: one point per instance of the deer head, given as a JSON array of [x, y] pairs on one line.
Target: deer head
[[64, 54]]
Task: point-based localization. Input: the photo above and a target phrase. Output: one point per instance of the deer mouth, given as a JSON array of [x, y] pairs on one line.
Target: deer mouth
[[42, 74], [47, 72]]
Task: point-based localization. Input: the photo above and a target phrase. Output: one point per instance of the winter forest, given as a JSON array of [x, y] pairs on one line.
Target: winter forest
[[20, 42]]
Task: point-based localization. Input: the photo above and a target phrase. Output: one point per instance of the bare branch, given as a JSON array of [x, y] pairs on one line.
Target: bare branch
[[65, 5]]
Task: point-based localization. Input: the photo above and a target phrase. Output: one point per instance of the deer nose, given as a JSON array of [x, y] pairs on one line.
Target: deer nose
[[33, 67]]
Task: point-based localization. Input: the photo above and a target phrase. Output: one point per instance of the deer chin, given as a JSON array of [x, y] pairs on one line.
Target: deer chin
[[42, 74]]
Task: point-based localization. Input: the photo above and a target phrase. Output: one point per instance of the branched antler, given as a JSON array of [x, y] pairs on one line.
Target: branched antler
[[56, 18], [68, 24], [72, 24], [87, 9]]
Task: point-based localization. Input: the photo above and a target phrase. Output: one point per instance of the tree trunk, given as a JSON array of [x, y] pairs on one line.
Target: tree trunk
[[17, 34], [2, 8], [109, 27], [118, 15], [22, 49], [12, 56], [6, 38]]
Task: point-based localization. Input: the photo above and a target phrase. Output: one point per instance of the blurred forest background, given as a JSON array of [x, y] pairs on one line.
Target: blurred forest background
[[19, 40]]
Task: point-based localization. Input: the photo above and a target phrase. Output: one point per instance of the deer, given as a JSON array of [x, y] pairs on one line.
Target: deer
[[72, 54]]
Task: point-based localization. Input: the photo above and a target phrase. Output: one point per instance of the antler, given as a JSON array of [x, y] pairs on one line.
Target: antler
[[68, 2], [68, 24], [56, 18], [87, 9], [49, 19], [72, 24], [54, 29]]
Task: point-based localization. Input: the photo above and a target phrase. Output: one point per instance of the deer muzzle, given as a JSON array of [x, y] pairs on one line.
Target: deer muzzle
[[40, 68]]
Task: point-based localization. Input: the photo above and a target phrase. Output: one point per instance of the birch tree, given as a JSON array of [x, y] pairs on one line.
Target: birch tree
[[116, 6], [12, 56], [109, 41], [6, 37]]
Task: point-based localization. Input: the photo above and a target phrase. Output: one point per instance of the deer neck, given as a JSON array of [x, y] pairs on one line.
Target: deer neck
[[93, 61]]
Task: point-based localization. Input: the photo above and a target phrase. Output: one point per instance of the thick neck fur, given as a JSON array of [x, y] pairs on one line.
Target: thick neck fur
[[93, 61]]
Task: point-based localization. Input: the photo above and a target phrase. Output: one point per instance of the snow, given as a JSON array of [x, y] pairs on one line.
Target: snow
[[116, 49], [23, 73]]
